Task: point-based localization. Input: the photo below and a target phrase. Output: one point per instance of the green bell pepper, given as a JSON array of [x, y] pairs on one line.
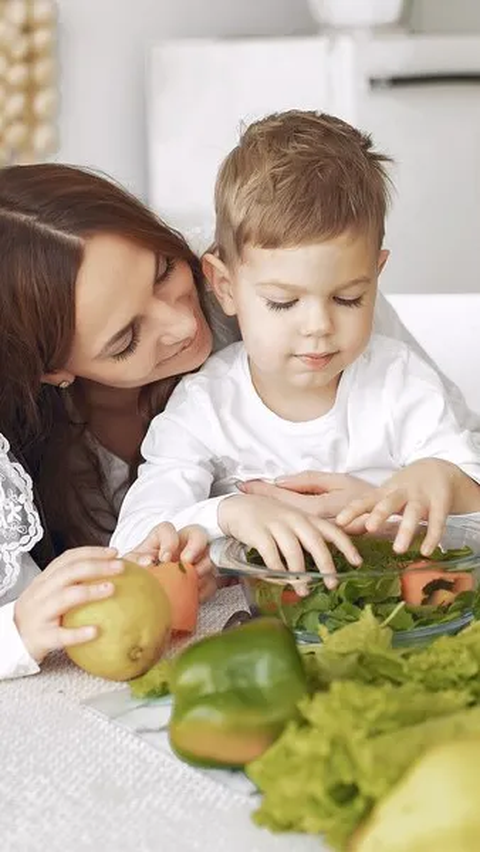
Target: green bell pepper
[[234, 693]]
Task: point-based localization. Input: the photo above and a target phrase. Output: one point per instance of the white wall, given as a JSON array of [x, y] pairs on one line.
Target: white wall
[[102, 50], [103, 45]]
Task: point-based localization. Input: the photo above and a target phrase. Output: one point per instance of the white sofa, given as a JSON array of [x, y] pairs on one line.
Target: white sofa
[[447, 325]]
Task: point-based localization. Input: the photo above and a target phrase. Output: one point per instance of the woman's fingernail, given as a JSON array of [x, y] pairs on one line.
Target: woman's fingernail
[[118, 566], [187, 555], [105, 588], [88, 632], [165, 556], [145, 560]]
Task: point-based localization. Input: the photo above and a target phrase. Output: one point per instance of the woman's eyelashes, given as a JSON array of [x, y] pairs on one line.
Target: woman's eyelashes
[[165, 267], [131, 346]]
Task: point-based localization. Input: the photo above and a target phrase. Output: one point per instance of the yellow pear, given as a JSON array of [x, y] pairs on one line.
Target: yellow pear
[[133, 626], [435, 807]]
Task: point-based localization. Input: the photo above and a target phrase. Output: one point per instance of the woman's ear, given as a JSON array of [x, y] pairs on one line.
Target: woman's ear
[[220, 282], [61, 379]]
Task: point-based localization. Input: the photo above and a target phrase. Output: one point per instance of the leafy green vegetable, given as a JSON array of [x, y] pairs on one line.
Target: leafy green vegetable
[[377, 582], [373, 712], [154, 683]]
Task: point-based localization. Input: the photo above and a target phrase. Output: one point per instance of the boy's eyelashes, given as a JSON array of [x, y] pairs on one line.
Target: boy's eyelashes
[[284, 306], [349, 303], [280, 306]]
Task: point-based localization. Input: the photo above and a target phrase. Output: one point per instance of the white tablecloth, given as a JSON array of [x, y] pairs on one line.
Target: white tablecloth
[[71, 781]]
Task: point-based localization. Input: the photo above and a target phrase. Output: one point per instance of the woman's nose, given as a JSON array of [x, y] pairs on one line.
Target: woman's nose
[[176, 324]]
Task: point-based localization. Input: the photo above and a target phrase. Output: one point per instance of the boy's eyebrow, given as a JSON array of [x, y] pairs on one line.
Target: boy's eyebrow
[[293, 288]]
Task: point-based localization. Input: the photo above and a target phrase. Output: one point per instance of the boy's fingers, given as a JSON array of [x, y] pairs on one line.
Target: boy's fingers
[[290, 547], [341, 540], [207, 587], [204, 567], [268, 550], [314, 543], [436, 527], [413, 513], [392, 504], [159, 544], [193, 542], [357, 507]]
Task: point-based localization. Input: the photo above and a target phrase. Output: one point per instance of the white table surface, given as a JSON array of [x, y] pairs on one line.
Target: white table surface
[[71, 780]]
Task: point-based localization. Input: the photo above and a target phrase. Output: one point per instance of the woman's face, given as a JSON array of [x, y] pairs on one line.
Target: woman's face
[[138, 316]]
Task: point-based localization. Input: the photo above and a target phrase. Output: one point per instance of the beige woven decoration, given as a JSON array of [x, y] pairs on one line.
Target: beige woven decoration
[[28, 78]]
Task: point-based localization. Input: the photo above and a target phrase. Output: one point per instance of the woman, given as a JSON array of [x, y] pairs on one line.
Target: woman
[[102, 308]]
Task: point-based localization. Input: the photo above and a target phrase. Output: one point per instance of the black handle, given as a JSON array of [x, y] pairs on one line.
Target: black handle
[[434, 79]]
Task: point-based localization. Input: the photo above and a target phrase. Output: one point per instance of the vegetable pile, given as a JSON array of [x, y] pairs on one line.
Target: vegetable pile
[[405, 591], [328, 732], [372, 713]]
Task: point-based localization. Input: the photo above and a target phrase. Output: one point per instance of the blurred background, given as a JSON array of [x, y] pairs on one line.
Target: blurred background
[[154, 93]]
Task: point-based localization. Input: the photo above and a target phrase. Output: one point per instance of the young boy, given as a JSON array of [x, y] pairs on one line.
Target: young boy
[[300, 211]]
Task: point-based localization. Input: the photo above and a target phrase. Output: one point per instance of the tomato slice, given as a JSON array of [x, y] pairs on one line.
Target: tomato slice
[[419, 574], [180, 583]]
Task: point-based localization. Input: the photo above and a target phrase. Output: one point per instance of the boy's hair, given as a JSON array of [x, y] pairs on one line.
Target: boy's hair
[[299, 177]]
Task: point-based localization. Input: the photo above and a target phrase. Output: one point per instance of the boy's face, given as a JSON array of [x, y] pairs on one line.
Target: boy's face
[[305, 313]]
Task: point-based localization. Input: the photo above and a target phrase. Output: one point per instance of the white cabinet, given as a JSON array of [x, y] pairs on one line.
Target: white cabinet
[[200, 92]]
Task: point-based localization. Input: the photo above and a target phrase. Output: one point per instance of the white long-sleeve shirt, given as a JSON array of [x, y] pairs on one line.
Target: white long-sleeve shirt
[[391, 409], [15, 661]]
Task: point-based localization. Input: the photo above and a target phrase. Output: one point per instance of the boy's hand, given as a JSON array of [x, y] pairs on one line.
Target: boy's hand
[[39, 609], [167, 544], [427, 490], [277, 530]]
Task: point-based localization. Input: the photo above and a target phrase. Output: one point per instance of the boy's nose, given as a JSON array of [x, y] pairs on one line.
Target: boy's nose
[[317, 322]]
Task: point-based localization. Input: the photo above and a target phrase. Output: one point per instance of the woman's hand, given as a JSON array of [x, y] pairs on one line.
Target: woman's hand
[[277, 531], [190, 544], [321, 494], [39, 609]]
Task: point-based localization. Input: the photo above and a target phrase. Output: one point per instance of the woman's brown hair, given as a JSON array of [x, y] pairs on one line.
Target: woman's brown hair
[[46, 213]]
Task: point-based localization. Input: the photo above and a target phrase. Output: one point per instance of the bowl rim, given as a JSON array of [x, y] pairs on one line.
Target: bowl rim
[[229, 557]]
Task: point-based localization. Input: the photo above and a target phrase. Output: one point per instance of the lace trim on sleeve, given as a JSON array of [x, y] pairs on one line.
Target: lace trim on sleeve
[[20, 527]]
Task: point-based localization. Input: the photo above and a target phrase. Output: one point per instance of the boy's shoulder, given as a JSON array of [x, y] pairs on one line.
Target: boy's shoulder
[[396, 361], [383, 351], [222, 363]]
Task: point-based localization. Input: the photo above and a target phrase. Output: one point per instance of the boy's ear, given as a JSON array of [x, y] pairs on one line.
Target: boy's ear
[[219, 281], [383, 256]]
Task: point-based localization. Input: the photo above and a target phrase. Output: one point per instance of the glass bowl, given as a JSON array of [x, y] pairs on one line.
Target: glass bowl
[[437, 596]]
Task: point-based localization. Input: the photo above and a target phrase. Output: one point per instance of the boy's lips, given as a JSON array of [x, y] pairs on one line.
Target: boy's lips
[[317, 360]]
